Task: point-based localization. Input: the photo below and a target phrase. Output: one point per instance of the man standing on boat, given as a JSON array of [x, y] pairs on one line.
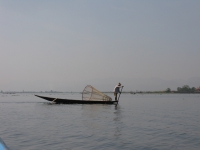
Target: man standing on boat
[[117, 90]]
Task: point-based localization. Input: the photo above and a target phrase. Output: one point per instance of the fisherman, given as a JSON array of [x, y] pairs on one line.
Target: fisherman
[[117, 90]]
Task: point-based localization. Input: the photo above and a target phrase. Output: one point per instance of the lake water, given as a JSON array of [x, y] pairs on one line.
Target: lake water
[[139, 122]]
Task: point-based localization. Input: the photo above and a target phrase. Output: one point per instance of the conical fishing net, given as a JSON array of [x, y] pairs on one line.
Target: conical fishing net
[[92, 94]]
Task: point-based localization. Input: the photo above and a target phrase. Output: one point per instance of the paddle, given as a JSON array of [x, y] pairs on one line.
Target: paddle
[[54, 100], [119, 95]]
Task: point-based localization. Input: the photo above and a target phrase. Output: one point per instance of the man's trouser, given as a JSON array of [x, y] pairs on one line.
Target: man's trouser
[[115, 94]]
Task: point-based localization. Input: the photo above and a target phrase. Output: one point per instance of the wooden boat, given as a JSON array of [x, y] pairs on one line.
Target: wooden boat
[[71, 101]]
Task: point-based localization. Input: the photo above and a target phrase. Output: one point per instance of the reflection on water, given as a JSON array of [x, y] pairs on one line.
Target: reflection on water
[[117, 122]]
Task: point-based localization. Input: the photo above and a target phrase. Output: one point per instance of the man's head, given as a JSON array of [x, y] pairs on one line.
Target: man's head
[[119, 84]]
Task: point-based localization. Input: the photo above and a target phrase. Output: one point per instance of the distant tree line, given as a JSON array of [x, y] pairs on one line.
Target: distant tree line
[[183, 89], [186, 88]]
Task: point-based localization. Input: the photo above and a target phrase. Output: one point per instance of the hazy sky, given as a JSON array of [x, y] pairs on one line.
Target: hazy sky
[[65, 45]]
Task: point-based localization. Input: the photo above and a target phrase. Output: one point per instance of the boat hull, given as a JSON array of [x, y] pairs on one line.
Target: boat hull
[[71, 101]]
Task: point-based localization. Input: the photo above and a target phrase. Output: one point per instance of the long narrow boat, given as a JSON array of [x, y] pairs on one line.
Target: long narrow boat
[[71, 101]]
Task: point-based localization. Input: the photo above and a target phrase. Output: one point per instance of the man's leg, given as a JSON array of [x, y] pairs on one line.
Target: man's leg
[[116, 96]]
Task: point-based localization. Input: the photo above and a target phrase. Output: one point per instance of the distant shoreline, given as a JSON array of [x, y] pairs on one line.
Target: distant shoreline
[[125, 92]]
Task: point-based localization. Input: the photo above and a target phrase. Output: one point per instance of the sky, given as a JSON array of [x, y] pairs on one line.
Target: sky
[[65, 45]]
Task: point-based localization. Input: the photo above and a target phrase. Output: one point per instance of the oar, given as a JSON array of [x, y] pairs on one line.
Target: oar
[[54, 100], [119, 95]]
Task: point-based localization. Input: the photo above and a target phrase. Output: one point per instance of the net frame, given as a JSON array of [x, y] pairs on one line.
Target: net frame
[[91, 94]]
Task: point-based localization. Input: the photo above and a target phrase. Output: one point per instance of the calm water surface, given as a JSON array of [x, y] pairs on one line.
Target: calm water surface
[[139, 122]]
